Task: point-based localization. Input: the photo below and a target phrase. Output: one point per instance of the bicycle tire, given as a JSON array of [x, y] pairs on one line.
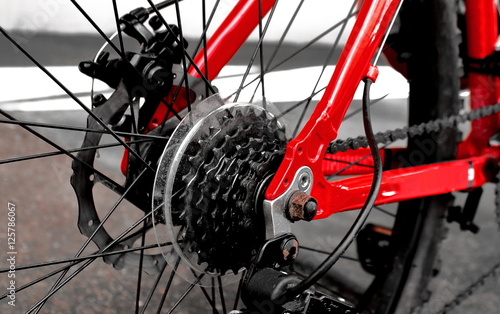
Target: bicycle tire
[[434, 73]]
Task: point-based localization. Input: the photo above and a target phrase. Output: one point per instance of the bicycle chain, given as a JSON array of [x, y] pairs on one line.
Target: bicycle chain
[[391, 136], [467, 292]]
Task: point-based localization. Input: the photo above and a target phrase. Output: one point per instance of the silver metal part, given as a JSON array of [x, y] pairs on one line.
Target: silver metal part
[[276, 222]]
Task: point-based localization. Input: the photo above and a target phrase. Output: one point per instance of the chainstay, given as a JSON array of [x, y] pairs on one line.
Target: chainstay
[[391, 136]]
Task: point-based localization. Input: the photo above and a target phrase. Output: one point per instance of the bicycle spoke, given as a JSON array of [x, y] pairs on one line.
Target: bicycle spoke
[[118, 28], [42, 278], [45, 98], [108, 40], [238, 292], [295, 106], [59, 285], [79, 129], [184, 52], [214, 310], [279, 44], [50, 154], [110, 183], [325, 64], [255, 53], [169, 284], [60, 282], [211, 301], [204, 36], [184, 295], [261, 49], [186, 55], [291, 56], [153, 289], [139, 270], [94, 255], [359, 110], [73, 262], [89, 239], [221, 294], [380, 209], [67, 91]]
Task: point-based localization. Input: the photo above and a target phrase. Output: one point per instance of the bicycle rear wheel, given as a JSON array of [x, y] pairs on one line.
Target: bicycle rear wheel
[[126, 240]]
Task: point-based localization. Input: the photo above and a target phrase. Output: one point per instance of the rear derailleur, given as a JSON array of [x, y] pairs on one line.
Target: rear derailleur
[[269, 279]]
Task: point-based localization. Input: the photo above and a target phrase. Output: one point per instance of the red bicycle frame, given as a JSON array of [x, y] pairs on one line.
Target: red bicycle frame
[[469, 170]]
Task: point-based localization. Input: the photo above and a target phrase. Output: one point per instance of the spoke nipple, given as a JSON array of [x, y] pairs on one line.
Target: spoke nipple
[[301, 206]]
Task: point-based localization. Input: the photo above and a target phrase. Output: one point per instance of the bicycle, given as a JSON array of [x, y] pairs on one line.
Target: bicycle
[[211, 185]]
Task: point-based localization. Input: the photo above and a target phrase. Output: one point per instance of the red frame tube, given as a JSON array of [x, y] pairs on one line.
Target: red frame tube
[[406, 183], [309, 147], [482, 31]]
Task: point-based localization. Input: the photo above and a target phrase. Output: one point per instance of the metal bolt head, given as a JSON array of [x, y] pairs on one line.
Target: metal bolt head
[[290, 248], [301, 206]]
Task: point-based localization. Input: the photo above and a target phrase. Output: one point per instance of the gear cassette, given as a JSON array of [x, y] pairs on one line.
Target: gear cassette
[[209, 181]]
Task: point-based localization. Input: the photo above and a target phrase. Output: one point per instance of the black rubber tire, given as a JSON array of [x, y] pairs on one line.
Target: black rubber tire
[[433, 74]]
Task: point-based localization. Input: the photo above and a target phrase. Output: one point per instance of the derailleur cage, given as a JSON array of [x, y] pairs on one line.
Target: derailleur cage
[[270, 277]]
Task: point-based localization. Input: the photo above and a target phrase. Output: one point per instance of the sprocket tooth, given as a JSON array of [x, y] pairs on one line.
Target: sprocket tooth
[[192, 149], [183, 215], [251, 112], [238, 113], [195, 160], [273, 124], [212, 131], [200, 221]]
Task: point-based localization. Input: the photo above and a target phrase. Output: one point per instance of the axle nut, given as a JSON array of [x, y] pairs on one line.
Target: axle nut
[[301, 206]]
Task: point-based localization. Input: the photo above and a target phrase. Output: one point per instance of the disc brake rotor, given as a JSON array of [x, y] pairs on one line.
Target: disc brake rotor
[[207, 182]]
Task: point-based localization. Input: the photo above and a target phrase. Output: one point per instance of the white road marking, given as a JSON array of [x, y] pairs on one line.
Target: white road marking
[[29, 89]]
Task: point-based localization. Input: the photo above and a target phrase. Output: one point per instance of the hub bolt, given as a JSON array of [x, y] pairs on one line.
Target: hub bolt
[[301, 206]]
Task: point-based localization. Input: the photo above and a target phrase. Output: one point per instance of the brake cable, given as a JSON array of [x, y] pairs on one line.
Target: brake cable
[[365, 211]]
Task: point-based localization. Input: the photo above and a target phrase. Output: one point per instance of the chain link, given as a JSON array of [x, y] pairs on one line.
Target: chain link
[[467, 292], [390, 136]]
